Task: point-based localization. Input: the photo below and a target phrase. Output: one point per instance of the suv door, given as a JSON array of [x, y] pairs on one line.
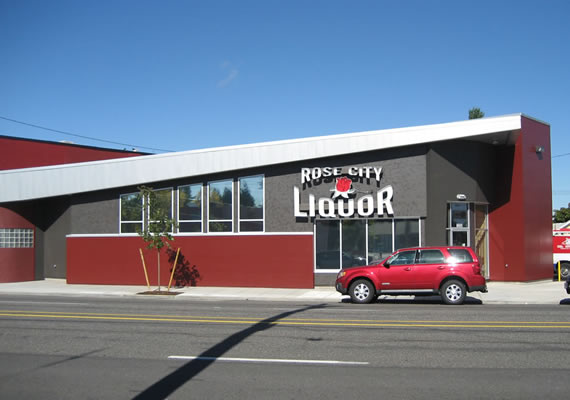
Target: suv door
[[396, 273], [430, 266]]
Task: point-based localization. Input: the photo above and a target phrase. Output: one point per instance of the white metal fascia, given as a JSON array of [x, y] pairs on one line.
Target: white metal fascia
[[57, 180]]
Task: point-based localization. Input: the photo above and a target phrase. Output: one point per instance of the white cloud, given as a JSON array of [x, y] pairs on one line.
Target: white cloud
[[232, 73]]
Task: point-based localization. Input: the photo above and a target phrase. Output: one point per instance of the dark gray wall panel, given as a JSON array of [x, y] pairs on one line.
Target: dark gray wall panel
[[456, 167]]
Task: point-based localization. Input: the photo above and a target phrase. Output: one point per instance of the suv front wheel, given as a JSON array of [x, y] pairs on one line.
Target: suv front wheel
[[361, 291], [453, 292]]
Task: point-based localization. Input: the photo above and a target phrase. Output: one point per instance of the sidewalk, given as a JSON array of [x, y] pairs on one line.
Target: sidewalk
[[539, 292]]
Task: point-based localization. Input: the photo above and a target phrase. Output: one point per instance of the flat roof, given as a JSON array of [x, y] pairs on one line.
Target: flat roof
[[66, 179]]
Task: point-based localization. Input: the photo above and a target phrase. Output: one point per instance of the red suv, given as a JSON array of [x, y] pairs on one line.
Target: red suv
[[448, 271]]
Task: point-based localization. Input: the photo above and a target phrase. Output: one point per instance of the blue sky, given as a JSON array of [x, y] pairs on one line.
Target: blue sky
[[182, 75]]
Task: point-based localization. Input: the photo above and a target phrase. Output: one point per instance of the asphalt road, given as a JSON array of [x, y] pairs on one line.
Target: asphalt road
[[153, 348]]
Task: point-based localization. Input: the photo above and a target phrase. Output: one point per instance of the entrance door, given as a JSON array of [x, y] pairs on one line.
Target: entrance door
[[458, 224]]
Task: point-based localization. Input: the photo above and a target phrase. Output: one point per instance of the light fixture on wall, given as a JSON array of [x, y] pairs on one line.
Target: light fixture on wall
[[539, 149], [461, 197]]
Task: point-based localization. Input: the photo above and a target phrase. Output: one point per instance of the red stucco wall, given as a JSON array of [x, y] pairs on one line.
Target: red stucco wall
[[279, 261], [16, 265], [520, 245], [23, 153]]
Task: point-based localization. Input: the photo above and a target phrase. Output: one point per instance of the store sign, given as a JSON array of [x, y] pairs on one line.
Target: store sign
[[344, 202]]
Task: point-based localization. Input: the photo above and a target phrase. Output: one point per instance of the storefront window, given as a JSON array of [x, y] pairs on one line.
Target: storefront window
[[190, 208], [328, 245], [407, 233], [251, 200], [220, 206], [379, 240], [352, 242]]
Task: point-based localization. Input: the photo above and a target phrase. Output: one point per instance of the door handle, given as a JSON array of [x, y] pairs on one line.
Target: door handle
[[441, 267], [407, 269]]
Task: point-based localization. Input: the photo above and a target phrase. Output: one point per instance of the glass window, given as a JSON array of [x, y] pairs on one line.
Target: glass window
[[403, 258], [328, 245], [459, 238], [15, 238], [353, 242], [407, 233], [431, 257], [251, 200], [131, 213], [220, 206], [134, 215], [459, 217], [379, 240], [190, 208]]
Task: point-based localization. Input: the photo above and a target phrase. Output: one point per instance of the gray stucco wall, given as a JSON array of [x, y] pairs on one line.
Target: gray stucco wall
[[457, 167], [404, 169]]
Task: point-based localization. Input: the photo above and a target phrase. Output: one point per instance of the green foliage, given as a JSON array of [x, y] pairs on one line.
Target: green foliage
[[475, 113], [158, 224], [561, 215]]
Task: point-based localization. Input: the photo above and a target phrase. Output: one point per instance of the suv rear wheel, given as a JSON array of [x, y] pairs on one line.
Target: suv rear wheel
[[361, 291], [453, 292]]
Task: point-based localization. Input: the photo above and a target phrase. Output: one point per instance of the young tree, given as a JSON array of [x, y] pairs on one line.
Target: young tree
[[475, 113], [158, 223]]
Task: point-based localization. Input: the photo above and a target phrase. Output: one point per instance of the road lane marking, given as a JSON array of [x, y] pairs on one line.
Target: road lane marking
[[291, 321], [269, 360]]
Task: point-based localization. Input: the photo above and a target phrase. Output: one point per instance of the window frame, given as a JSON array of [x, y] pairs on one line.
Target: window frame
[[121, 222], [194, 221], [231, 220], [239, 218], [145, 211]]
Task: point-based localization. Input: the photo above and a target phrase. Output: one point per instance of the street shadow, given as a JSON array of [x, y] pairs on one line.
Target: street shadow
[[170, 383], [417, 300], [185, 273]]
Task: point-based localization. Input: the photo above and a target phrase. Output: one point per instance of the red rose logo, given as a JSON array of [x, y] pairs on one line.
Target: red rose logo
[[343, 184], [342, 187]]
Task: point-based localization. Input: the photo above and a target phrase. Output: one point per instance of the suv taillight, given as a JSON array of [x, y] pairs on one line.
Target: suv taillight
[[477, 269]]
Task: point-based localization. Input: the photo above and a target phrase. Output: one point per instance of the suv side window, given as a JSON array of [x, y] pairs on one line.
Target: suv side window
[[460, 255], [431, 257], [403, 258]]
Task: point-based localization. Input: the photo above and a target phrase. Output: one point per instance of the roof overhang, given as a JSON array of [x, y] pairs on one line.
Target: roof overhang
[[66, 179]]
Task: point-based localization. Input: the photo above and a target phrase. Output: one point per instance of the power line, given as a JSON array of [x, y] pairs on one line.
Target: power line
[[561, 155], [82, 136]]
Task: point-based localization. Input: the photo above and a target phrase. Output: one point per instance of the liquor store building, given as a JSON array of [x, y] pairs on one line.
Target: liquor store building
[[285, 214]]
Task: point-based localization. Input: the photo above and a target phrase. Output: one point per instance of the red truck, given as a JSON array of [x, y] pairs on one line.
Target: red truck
[[561, 250]]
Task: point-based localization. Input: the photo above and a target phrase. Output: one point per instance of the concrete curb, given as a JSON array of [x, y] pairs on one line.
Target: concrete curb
[[538, 292]]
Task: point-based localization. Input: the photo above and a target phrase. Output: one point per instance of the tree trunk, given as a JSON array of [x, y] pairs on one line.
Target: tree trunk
[[158, 266]]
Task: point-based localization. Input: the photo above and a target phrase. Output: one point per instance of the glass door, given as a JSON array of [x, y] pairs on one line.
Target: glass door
[[458, 224]]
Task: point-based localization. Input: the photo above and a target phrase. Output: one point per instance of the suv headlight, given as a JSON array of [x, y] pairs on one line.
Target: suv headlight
[[341, 274]]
